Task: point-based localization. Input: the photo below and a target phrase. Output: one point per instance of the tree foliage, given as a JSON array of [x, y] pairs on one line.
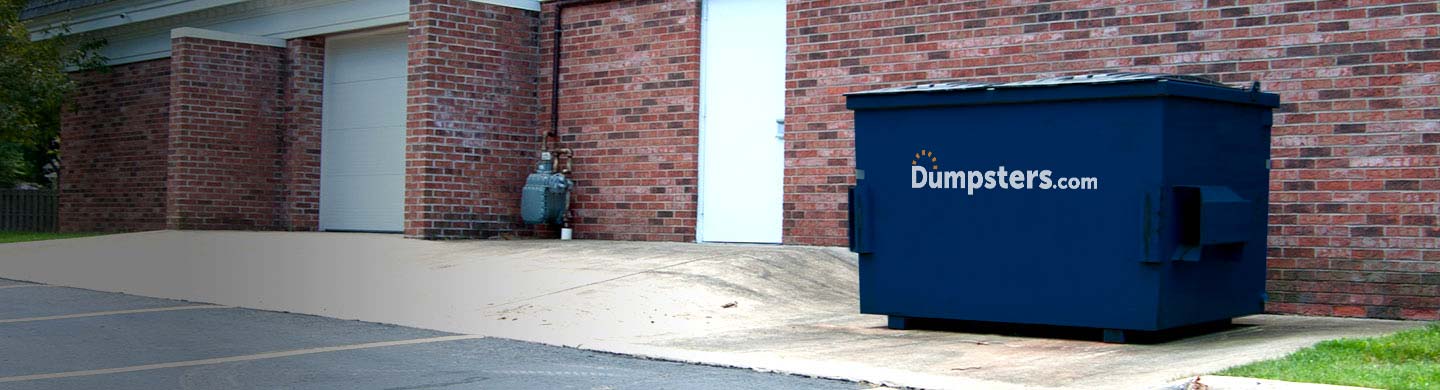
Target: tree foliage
[[33, 87]]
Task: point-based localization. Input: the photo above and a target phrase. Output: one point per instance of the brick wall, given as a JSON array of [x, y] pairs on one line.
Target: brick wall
[[114, 142], [1354, 201], [225, 159], [304, 74], [629, 107], [471, 135]]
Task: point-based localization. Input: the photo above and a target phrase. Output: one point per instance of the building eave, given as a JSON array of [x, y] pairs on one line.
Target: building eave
[[38, 8], [115, 13]]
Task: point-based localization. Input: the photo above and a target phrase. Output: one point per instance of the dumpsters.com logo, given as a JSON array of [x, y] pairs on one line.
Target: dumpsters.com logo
[[925, 173]]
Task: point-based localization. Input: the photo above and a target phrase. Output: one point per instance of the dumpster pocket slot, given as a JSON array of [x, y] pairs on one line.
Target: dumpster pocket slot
[[858, 201], [1212, 223]]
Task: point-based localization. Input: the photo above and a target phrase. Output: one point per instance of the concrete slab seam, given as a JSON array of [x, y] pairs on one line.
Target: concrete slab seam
[[112, 312], [233, 359]]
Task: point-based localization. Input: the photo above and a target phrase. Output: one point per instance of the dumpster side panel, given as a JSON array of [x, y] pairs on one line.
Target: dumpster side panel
[[1217, 145], [1073, 257]]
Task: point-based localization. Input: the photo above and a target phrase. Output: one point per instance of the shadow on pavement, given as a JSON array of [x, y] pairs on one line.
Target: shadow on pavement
[[1069, 332]]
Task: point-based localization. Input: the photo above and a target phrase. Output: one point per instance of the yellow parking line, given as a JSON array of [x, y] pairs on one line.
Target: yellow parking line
[[113, 312], [233, 359], [23, 285]]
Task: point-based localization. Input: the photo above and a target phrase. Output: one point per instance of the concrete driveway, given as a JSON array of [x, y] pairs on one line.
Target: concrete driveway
[[787, 309], [66, 338]]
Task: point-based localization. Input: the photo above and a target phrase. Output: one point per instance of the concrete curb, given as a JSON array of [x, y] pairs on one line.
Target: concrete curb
[[1216, 382]]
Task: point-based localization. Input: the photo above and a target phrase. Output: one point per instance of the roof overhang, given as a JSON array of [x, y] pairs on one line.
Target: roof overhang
[[113, 14], [37, 8], [99, 15]]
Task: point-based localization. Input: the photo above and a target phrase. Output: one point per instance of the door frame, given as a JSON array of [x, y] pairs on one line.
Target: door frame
[[701, 133], [324, 89], [700, 125]]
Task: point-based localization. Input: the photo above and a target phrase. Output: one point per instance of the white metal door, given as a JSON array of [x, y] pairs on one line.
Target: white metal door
[[742, 84], [362, 152]]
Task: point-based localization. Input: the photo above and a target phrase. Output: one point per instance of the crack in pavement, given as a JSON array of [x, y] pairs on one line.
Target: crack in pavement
[[598, 282]]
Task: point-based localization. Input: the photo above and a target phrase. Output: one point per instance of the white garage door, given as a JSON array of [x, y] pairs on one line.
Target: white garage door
[[362, 153]]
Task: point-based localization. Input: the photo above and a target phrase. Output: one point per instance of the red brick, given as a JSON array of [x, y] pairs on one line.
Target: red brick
[[1420, 314], [629, 108], [471, 134], [114, 133], [203, 140], [302, 105], [225, 136]]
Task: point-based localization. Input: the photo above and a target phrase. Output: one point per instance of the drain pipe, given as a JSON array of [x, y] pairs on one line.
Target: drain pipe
[[558, 35], [554, 80], [545, 198]]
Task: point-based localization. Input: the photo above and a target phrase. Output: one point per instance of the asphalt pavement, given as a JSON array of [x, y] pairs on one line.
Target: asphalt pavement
[[55, 337]]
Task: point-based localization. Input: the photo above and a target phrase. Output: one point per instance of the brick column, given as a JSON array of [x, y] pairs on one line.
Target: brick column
[[303, 103], [470, 129], [224, 164]]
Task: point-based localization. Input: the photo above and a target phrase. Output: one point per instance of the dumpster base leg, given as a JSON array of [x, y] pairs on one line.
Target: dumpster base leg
[[902, 323], [1116, 336]]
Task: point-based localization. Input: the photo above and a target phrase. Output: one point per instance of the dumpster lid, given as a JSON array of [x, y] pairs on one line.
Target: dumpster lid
[[1118, 77], [1097, 78], [1078, 87], [951, 86]]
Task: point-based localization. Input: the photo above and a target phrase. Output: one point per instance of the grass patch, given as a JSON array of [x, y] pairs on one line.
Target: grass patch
[[9, 237], [1401, 361]]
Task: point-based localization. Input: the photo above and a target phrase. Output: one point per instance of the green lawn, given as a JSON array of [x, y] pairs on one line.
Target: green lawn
[[8, 237], [1401, 361]]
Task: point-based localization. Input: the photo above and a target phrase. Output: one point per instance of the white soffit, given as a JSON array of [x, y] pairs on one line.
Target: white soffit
[[191, 32], [116, 14], [528, 5], [140, 30]]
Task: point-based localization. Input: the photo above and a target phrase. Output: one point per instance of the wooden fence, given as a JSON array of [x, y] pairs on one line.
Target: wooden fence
[[28, 210]]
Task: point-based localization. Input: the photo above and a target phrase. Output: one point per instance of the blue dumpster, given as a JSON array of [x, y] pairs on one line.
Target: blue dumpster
[[1122, 201]]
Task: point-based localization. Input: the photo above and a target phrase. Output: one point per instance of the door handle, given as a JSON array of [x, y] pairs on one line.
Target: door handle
[[780, 128]]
